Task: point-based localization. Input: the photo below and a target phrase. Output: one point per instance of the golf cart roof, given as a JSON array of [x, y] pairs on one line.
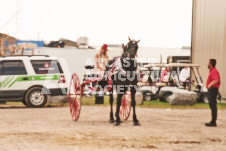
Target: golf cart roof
[[155, 65], [182, 65], [152, 66]]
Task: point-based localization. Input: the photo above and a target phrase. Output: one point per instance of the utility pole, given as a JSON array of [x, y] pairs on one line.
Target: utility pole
[[10, 19], [38, 35], [16, 17]]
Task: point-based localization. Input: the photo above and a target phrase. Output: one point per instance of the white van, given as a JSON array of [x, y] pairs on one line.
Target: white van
[[30, 79]]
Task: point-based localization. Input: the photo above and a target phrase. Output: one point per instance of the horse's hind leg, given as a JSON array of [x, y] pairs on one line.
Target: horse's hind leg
[[133, 103], [111, 103]]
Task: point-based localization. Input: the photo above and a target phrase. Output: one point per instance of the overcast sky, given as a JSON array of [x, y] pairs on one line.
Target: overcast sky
[[157, 23]]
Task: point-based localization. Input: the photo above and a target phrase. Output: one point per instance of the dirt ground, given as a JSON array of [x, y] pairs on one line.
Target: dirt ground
[[161, 129]]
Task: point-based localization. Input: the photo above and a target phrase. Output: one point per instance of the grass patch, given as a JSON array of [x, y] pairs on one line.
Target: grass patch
[[155, 104], [146, 104], [56, 105], [14, 103], [91, 101]]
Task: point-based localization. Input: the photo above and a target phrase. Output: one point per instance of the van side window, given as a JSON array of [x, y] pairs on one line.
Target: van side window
[[46, 66], [0, 67], [12, 67]]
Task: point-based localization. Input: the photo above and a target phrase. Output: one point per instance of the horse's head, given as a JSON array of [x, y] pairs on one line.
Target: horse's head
[[130, 50]]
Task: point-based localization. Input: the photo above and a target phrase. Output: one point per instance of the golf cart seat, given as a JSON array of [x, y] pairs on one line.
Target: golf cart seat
[[148, 78], [160, 84]]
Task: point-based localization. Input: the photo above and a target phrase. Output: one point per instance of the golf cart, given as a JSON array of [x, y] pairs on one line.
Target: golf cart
[[198, 86], [150, 83]]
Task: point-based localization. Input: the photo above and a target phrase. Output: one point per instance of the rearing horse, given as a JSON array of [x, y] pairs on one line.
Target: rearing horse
[[124, 76]]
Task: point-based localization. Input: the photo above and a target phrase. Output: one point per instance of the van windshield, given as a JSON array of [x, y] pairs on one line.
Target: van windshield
[[46, 66]]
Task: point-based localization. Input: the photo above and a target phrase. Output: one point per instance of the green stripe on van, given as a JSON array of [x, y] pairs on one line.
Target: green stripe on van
[[35, 78], [4, 81], [13, 82], [10, 79], [39, 78]]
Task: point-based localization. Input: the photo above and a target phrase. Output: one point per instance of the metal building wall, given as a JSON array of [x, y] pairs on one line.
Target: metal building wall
[[209, 37]]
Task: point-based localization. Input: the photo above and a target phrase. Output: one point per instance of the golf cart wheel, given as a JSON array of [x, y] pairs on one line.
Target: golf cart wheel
[[219, 97], [35, 97], [147, 96], [200, 97], [205, 99], [74, 97], [125, 108], [165, 96]]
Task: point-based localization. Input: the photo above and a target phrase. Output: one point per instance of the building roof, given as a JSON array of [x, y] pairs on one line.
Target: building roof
[[6, 36]]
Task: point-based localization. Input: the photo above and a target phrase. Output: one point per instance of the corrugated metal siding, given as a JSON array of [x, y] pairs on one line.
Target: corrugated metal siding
[[209, 37]]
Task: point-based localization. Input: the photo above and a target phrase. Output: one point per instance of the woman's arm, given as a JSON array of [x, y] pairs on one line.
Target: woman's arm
[[107, 59], [97, 63]]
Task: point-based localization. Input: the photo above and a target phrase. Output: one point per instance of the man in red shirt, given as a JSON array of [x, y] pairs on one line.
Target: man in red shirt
[[213, 84]]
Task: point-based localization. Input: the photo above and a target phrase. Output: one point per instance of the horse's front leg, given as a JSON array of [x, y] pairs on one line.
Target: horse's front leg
[[133, 103], [111, 99], [118, 120]]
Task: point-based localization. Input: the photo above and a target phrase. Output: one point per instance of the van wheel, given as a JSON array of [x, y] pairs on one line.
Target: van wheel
[[35, 98], [24, 103]]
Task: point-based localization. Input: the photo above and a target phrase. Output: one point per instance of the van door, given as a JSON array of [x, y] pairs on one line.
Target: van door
[[10, 70], [50, 74]]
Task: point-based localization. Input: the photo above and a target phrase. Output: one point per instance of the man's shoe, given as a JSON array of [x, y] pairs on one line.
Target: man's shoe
[[211, 124]]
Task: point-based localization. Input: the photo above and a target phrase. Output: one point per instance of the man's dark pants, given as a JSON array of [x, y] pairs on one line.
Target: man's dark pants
[[212, 97]]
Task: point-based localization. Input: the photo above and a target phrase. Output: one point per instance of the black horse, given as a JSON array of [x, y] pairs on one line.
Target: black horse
[[124, 77]]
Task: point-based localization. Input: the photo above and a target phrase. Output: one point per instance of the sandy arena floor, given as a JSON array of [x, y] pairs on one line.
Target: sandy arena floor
[[161, 129]]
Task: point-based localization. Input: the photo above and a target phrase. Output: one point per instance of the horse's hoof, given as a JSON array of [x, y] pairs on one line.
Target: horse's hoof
[[111, 121], [117, 123], [136, 123]]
